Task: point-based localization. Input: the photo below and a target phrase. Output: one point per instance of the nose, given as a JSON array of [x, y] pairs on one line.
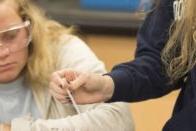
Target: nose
[[4, 51]]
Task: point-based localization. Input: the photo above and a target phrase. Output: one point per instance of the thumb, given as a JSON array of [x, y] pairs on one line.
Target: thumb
[[80, 81]]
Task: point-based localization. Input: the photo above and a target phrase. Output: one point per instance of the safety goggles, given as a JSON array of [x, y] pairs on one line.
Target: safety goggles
[[15, 38]]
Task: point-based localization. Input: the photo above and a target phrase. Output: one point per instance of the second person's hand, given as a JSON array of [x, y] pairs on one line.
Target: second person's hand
[[91, 88]]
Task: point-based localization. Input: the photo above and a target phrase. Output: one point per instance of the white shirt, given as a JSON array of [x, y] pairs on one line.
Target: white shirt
[[16, 100]]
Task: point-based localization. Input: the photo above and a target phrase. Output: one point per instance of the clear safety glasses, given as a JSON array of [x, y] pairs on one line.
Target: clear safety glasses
[[15, 38]]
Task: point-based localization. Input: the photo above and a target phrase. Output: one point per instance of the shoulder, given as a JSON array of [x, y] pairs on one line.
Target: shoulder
[[74, 53], [70, 42]]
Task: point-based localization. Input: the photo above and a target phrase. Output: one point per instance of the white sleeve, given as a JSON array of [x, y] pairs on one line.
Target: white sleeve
[[95, 117], [75, 54]]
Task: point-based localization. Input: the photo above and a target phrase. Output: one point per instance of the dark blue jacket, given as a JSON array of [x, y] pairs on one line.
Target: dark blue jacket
[[145, 78]]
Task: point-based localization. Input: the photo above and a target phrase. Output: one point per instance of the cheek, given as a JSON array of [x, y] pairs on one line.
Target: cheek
[[20, 59]]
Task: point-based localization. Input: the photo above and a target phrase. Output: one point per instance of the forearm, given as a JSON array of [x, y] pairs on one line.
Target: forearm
[[139, 80], [113, 117], [145, 77]]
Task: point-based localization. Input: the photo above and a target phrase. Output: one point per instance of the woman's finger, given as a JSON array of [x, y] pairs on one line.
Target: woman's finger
[[56, 79], [57, 89], [78, 82], [70, 76], [57, 96]]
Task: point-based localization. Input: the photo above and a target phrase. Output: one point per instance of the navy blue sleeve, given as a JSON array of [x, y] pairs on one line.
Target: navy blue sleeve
[[144, 77]]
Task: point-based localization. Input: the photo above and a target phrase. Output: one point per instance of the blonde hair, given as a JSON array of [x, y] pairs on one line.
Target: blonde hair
[[179, 54], [43, 47]]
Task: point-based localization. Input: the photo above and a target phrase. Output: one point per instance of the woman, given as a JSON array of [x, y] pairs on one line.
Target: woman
[[31, 48], [165, 61]]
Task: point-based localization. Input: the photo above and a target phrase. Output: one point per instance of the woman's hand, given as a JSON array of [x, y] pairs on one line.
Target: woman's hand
[[58, 85], [85, 87]]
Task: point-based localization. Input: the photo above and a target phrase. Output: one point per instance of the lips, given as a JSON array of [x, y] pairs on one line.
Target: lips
[[6, 67]]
